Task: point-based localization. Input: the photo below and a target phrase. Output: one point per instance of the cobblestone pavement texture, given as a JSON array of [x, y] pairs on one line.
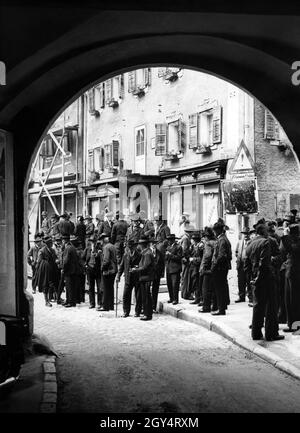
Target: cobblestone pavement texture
[[109, 364]]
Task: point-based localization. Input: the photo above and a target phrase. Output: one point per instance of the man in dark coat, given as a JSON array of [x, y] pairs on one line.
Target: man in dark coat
[[173, 258], [161, 232], [70, 271], [258, 262], [99, 227], [131, 259], [209, 297], [134, 231], [32, 259], [197, 247], [108, 223], [118, 236], [159, 270], [240, 253], [89, 228], [80, 289], [221, 263], [146, 225], [92, 263], [64, 225], [69, 215], [47, 274], [80, 230], [109, 269], [145, 271], [291, 248], [58, 248]]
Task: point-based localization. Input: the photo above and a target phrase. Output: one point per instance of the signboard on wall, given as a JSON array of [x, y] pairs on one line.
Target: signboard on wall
[[240, 196], [243, 165]]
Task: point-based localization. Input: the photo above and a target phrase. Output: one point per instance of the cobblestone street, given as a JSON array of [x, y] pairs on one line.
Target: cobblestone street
[[109, 364]]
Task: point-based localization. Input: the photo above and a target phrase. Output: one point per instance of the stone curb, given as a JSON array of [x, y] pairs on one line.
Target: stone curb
[[49, 399], [231, 335]]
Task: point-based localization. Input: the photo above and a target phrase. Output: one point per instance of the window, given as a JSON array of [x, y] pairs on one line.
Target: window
[[114, 90], [160, 139], [111, 154], [271, 127], [91, 160], [98, 159], [205, 128], [101, 90], [139, 79], [91, 98], [47, 148], [140, 141], [175, 136]]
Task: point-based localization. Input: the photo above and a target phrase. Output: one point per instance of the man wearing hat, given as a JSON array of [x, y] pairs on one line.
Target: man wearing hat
[[173, 258], [159, 270], [99, 228], [108, 223], [70, 271], [80, 289], [32, 259], [240, 254], [89, 228], [221, 263], [209, 296], [64, 225], [130, 259], [92, 264], [134, 231], [118, 236], [45, 225], [109, 270], [146, 225], [258, 262], [80, 230], [196, 254], [58, 248], [185, 243], [47, 274], [145, 271], [54, 226]]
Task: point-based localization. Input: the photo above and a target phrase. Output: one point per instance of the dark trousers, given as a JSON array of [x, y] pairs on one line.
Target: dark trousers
[[292, 299], [119, 250], [282, 317], [108, 291], [94, 279], [80, 293], [242, 281], [173, 282], [207, 289], [60, 288], [33, 270], [155, 290], [196, 282], [71, 288], [221, 288], [146, 298], [265, 306], [127, 294]]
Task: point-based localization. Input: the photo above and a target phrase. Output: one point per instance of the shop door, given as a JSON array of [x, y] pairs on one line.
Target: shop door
[[210, 209], [174, 211]]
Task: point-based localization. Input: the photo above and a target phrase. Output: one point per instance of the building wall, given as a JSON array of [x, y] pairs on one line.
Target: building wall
[[278, 174]]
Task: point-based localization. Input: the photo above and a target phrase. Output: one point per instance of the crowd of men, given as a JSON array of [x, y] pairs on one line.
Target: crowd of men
[[196, 264]]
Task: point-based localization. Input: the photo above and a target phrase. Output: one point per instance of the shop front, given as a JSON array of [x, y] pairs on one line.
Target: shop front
[[195, 191]]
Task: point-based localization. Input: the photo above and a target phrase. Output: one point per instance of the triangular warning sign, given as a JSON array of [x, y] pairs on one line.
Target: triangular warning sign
[[243, 160]]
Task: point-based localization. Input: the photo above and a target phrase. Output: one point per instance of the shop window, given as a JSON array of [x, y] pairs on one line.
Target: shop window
[[138, 80], [140, 141], [271, 127]]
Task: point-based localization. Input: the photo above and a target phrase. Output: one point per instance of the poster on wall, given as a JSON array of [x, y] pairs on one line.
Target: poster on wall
[[240, 196]]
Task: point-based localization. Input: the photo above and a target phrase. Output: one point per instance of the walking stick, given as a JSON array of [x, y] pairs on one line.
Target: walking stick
[[117, 286]]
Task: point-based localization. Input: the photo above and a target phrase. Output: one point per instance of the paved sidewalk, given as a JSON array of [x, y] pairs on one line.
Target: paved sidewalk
[[283, 354]]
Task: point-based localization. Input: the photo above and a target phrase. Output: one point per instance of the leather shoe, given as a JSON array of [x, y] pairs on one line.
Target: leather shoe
[[202, 310], [137, 315], [145, 318], [258, 337], [218, 313], [174, 302], [276, 338], [194, 302], [169, 301], [102, 309], [91, 306], [250, 304], [287, 330], [239, 300], [125, 315], [69, 305]]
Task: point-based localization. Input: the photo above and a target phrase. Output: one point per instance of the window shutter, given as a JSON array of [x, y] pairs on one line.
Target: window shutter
[[161, 72], [102, 95], [217, 125], [121, 86], [108, 90], [181, 135], [101, 159], [147, 76], [131, 81], [193, 130], [160, 139], [115, 153], [91, 160], [271, 127], [107, 155], [91, 96]]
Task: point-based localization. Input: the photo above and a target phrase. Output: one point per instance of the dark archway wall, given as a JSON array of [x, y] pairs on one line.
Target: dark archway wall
[[54, 52]]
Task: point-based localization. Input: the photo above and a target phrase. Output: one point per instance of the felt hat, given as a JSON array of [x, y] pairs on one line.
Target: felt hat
[[37, 238], [47, 239]]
